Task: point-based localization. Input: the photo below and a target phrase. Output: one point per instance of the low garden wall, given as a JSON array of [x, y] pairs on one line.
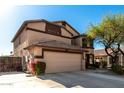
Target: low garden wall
[[8, 64]]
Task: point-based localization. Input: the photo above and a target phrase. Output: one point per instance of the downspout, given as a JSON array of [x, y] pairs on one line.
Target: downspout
[[83, 61]]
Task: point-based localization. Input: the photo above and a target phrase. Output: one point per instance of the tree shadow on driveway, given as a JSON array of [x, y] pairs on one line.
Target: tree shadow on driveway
[[86, 79], [69, 79]]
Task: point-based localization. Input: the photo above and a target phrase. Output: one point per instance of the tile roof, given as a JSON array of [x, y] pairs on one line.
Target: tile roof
[[56, 44], [100, 52]]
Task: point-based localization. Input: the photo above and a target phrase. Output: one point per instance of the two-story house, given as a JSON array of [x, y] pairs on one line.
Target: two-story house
[[57, 44]]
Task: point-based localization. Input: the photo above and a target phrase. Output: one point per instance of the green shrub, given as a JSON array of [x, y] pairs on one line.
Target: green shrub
[[118, 69], [104, 64], [38, 69], [97, 64], [92, 66]]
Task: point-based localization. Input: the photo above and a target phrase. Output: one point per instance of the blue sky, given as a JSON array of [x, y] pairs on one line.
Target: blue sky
[[80, 17]]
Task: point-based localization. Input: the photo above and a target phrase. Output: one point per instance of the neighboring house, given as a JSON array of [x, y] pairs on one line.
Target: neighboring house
[[102, 56], [57, 44]]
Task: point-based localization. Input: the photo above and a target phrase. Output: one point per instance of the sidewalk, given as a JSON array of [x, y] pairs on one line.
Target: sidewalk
[[19, 80]]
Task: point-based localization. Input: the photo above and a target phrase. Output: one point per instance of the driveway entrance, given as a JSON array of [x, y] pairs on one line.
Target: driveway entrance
[[22, 80], [87, 79]]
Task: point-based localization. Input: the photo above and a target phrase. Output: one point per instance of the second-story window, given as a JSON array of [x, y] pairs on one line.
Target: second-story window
[[84, 42], [53, 29], [91, 43]]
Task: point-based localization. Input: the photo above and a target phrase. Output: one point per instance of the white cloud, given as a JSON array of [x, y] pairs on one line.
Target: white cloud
[[5, 9], [63, 2]]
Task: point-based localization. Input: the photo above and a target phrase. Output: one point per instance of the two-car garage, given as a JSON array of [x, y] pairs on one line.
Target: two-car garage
[[62, 61], [58, 56]]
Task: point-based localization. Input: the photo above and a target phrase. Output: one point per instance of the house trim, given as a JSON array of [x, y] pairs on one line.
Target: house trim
[[40, 31], [62, 51], [88, 47], [33, 21], [43, 46]]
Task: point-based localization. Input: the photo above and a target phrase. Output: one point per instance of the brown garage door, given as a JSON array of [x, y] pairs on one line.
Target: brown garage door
[[62, 62]]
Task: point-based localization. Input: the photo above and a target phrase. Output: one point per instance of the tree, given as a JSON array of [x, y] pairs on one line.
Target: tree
[[110, 33]]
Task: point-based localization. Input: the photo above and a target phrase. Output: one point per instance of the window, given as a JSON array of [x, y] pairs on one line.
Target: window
[[91, 42], [84, 42], [53, 29]]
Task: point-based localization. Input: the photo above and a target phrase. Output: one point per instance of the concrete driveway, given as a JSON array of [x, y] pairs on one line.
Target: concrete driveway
[[22, 80], [87, 79]]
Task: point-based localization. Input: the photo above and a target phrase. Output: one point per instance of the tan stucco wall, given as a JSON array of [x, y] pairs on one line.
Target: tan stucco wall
[[37, 25], [41, 26], [37, 51], [65, 33], [18, 50], [22, 36], [62, 62], [71, 30], [36, 36], [24, 42], [78, 41], [31, 50]]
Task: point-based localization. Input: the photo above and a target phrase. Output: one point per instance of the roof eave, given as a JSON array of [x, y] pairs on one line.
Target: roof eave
[[23, 25]]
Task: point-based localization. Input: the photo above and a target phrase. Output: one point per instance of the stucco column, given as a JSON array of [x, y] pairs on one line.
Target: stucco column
[[108, 61], [83, 61], [22, 63], [121, 60]]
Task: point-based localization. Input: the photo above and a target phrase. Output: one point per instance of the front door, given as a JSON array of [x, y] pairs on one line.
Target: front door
[[87, 60]]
